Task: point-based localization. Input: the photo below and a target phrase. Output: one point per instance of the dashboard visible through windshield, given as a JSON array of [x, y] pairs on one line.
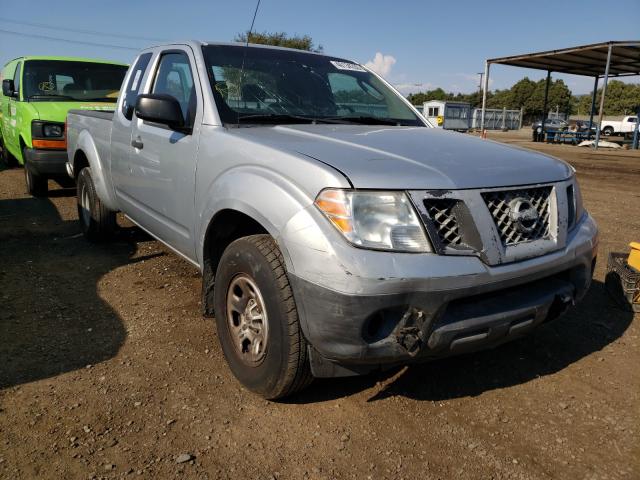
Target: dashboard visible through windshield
[[254, 85], [61, 80]]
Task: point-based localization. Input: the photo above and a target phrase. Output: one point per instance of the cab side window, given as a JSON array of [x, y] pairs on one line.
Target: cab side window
[[133, 86], [16, 78], [174, 77]]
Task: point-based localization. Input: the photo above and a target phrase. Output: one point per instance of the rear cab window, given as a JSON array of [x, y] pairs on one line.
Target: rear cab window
[[133, 86]]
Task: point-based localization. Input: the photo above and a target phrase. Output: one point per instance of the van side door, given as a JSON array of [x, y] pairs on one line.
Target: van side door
[[160, 192]]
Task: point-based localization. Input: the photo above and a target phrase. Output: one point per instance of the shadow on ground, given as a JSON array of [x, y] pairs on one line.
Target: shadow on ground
[[585, 330], [52, 319]]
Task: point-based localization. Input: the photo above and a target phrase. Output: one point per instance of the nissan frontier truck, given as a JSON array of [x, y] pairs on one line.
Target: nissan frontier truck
[[337, 233]]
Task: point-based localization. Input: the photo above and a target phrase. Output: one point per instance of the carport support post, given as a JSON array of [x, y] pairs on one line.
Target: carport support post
[[485, 87], [593, 104], [634, 145], [546, 98], [604, 93]]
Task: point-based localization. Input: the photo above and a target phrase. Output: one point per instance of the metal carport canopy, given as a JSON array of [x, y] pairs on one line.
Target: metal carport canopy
[[588, 60], [608, 59]]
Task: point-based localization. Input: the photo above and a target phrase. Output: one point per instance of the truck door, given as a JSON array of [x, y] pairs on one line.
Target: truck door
[[163, 161], [121, 149]]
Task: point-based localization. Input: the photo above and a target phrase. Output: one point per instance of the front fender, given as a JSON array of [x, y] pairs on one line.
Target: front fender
[[99, 175], [266, 196]]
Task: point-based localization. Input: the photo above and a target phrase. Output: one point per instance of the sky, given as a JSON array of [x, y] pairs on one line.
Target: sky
[[416, 45]]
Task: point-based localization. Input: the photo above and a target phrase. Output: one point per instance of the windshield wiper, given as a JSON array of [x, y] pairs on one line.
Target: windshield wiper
[[53, 95], [100, 99], [284, 118], [366, 120]]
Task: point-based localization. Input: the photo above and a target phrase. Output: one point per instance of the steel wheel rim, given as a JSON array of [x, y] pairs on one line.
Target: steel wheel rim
[[85, 205], [247, 320]]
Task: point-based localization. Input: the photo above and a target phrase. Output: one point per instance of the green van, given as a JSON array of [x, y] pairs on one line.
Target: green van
[[37, 93]]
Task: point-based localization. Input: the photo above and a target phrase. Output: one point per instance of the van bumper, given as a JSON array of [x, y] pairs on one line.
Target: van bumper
[[46, 163]]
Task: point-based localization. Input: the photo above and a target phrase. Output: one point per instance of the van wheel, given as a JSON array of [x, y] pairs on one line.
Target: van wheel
[[97, 222], [37, 185], [257, 319], [8, 159]]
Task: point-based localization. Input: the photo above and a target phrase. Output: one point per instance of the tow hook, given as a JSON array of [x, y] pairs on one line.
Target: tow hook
[[411, 335]]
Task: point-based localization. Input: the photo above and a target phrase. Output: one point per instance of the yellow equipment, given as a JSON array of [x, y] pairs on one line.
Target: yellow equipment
[[634, 256]]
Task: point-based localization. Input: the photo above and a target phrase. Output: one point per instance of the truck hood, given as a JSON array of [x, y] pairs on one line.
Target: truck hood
[[407, 158], [57, 111]]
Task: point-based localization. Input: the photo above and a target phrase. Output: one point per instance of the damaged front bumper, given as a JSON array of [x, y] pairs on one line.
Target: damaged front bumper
[[431, 306]]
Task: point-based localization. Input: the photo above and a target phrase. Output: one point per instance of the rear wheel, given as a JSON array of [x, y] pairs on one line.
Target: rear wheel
[[257, 319], [607, 131], [37, 185], [98, 223]]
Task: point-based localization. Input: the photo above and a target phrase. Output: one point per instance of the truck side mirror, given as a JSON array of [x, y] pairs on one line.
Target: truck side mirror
[[8, 88], [160, 108]]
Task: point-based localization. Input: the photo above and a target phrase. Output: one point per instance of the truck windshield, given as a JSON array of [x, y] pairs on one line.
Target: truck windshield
[[61, 80], [284, 86]]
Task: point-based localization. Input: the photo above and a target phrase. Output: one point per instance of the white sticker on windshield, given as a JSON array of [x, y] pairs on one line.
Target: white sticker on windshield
[[136, 79], [347, 66]]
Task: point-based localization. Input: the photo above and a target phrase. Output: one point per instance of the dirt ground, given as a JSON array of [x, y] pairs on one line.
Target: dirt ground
[[107, 369]]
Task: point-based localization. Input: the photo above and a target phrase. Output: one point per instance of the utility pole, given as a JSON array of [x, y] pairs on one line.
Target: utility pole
[[480, 84]]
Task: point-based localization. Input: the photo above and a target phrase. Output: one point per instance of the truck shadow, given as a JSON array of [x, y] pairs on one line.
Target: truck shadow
[[587, 329], [52, 318]]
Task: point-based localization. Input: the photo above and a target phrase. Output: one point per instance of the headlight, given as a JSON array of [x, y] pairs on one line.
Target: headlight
[[51, 130], [45, 130], [376, 220]]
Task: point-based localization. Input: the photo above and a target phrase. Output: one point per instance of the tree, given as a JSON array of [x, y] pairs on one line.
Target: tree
[[280, 39], [622, 99], [525, 94]]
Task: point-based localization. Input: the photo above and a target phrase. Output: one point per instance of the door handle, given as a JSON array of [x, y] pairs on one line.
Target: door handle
[[137, 144]]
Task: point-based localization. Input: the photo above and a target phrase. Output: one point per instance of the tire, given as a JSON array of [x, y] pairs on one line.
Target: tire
[[37, 185], [607, 131], [274, 363], [97, 222], [6, 157]]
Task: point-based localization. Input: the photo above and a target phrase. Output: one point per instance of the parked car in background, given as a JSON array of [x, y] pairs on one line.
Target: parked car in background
[[624, 127], [550, 124], [335, 237], [37, 92]]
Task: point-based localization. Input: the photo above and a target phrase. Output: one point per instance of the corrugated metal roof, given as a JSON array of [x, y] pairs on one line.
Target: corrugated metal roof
[[589, 60]]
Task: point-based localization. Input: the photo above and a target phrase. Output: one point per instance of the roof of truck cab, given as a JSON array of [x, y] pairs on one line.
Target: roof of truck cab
[[67, 59], [198, 43]]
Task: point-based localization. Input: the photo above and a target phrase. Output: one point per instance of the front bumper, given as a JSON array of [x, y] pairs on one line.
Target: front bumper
[[435, 305], [46, 163]]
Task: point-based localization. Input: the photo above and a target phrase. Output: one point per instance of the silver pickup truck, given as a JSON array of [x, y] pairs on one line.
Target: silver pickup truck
[[336, 232]]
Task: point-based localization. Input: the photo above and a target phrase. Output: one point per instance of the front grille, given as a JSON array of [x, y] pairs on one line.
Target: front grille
[[520, 215], [442, 213]]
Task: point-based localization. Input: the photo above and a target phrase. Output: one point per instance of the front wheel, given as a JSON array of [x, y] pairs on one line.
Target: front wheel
[[257, 319], [37, 185], [97, 222]]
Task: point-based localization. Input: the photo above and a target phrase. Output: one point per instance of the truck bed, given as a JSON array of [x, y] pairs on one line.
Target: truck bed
[[97, 123], [103, 114]]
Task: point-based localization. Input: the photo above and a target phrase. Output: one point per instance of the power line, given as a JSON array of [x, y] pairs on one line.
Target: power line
[[66, 40], [77, 30]]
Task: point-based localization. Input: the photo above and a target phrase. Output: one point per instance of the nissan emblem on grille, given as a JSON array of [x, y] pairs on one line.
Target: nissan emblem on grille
[[520, 215], [523, 214]]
